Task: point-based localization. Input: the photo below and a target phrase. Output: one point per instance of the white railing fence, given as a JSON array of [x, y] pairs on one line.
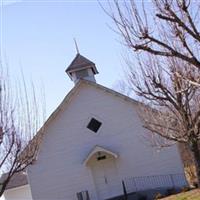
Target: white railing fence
[[135, 184]]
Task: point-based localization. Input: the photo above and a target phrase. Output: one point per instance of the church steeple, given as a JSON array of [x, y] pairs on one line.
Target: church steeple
[[81, 68]]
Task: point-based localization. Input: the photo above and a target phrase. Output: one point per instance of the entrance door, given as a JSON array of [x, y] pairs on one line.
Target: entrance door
[[106, 178]]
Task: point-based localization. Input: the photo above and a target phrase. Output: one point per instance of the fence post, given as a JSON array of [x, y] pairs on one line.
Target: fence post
[[135, 184], [124, 191], [172, 180]]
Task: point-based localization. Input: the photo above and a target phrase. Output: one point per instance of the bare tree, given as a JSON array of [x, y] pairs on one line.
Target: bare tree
[[164, 36], [21, 114]]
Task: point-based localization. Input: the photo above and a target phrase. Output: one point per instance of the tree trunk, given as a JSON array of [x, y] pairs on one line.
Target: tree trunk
[[196, 154]]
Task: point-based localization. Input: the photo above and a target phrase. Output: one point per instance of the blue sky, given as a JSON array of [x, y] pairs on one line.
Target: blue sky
[[37, 36]]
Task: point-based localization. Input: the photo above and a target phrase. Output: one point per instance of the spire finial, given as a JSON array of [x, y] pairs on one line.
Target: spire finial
[[77, 50]]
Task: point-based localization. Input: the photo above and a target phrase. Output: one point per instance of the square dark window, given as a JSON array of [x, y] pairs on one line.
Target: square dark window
[[94, 125]]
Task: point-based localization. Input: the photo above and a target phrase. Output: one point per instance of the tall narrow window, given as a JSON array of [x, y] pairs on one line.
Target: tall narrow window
[[94, 125]]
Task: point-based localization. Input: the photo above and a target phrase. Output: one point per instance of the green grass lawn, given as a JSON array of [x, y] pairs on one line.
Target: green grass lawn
[[190, 195]]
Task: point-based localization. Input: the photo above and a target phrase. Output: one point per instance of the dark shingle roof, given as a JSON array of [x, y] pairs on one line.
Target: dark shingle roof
[[80, 62], [18, 179]]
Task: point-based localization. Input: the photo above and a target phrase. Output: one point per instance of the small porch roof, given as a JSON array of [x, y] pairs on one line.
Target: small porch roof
[[97, 149]]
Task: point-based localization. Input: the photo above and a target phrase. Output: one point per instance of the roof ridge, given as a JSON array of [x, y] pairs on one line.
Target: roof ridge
[[79, 61]]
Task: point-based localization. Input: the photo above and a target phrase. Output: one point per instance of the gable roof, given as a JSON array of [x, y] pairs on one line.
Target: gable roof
[[80, 62]]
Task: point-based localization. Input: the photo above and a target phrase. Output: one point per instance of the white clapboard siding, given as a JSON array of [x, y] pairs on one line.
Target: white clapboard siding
[[59, 172]]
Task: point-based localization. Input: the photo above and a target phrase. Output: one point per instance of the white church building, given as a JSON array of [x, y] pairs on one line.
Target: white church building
[[93, 142]]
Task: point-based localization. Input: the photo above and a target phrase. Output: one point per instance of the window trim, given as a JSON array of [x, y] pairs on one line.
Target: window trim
[[86, 121], [96, 127]]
